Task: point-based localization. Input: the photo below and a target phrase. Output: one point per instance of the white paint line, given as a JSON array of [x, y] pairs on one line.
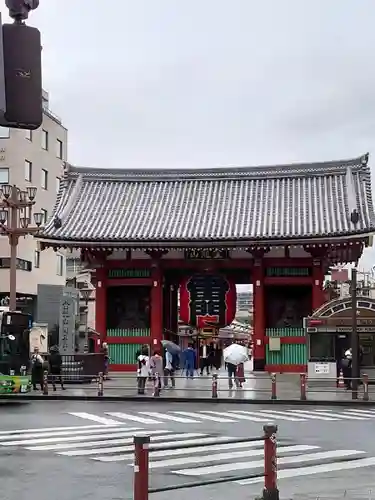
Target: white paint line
[[170, 416], [130, 447], [310, 416], [57, 434], [362, 413], [235, 414], [316, 469], [222, 456], [277, 415], [95, 418], [126, 457], [202, 416], [133, 418], [28, 442], [308, 457], [340, 416], [53, 429]]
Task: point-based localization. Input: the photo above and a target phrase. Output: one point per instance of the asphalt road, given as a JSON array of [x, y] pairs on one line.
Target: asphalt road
[[69, 450]]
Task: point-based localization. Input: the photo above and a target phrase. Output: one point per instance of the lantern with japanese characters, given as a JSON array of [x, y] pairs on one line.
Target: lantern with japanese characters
[[207, 300]]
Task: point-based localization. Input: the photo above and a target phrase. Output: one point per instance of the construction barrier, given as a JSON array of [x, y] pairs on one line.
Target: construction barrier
[[142, 450]]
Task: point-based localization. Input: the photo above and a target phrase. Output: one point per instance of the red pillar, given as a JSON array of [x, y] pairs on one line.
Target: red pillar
[[156, 307], [259, 327], [317, 284], [101, 304]]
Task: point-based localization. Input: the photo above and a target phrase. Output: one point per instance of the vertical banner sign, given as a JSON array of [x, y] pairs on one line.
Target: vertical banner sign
[[67, 326]]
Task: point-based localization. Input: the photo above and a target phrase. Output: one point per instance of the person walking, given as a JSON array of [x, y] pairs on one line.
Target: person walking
[[143, 369], [189, 361], [55, 364], [169, 370], [37, 366], [203, 358], [156, 368]]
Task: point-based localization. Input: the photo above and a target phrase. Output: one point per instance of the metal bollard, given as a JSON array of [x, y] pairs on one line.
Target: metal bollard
[[270, 491], [100, 384], [273, 386], [214, 386], [303, 386], [156, 385], [365, 387], [140, 483], [45, 383]]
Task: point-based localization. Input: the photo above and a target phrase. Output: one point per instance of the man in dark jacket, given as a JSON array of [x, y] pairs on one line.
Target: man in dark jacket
[[55, 363]]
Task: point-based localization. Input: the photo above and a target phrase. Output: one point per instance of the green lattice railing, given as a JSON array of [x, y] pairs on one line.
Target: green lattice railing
[[129, 273], [123, 354], [128, 332], [287, 272], [289, 354], [285, 332]]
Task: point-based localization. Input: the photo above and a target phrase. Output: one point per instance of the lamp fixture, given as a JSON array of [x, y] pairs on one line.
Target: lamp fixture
[[38, 218]]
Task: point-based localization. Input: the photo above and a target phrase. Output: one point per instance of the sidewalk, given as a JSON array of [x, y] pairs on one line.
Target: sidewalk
[[256, 389]]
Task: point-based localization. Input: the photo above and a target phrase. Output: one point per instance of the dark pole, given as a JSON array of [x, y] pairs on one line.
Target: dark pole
[[354, 339]]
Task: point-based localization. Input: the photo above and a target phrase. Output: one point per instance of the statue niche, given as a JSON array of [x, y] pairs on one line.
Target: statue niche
[[128, 307], [286, 306]]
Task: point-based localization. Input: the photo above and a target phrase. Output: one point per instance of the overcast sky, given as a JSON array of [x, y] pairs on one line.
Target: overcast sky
[[174, 83]]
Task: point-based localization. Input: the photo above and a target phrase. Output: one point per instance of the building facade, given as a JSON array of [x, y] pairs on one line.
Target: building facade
[[150, 232], [33, 158]]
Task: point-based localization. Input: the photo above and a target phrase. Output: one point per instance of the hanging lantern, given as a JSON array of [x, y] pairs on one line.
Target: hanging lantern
[[207, 300]]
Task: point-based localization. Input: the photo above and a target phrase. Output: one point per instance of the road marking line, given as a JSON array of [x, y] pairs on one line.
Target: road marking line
[[170, 417], [306, 414], [234, 413], [134, 418], [52, 429], [57, 435], [130, 447], [202, 416], [127, 456], [57, 439], [363, 413], [272, 414], [329, 413], [95, 418], [316, 469], [308, 457]]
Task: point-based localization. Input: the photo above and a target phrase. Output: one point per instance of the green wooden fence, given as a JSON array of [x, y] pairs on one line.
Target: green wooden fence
[[289, 354], [129, 273], [128, 332], [123, 354]]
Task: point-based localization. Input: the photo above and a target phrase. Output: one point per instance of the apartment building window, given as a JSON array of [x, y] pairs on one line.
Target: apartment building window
[[59, 149], [28, 171], [4, 132], [29, 135], [37, 259], [58, 180], [4, 175], [44, 139], [60, 265], [45, 215], [44, 179]]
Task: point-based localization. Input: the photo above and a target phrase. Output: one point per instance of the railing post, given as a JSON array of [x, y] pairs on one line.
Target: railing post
[[100, 384], [270, 491], [365, 387], [156, 385], [214, 386], [45, 383], [273, 386], [303, 386], [140, 483]]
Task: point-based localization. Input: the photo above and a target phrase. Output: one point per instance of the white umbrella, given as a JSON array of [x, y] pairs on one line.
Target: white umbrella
[[235, 354]]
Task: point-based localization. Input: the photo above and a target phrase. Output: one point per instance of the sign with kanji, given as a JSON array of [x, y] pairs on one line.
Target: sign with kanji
[[67, 325]]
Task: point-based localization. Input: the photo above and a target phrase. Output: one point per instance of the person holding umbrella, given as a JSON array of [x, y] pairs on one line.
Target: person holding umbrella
[[171, 356], [234, 356]]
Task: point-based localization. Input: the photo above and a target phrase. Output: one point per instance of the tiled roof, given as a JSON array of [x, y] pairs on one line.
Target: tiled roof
[[249, 204]]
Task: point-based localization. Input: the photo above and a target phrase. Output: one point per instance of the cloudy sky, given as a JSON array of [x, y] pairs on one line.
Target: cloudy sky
[[166, 83]]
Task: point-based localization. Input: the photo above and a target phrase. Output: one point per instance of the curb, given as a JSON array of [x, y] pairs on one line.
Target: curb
[[291, 402]]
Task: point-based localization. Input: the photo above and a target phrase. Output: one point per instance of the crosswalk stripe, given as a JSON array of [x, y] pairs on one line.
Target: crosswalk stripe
[[165, 416], [268, 415], [280, 415], [306, 414], [58, 434], [104, 435], [130, 447], [53, 429], [315, 469], [203, 416], [329, 413], [222, 456], [235, 414], [94, 418], [127, 416], [308, 457], [363, 413]]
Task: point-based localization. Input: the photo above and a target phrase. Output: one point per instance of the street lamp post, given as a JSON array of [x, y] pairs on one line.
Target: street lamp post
[[86, 294], [15, 208]]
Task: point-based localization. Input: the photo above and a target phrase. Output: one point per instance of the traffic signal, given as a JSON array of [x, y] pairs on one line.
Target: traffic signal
[[20, 76]]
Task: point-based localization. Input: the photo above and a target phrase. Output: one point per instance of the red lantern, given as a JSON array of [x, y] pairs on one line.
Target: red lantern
[[207, 300]]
